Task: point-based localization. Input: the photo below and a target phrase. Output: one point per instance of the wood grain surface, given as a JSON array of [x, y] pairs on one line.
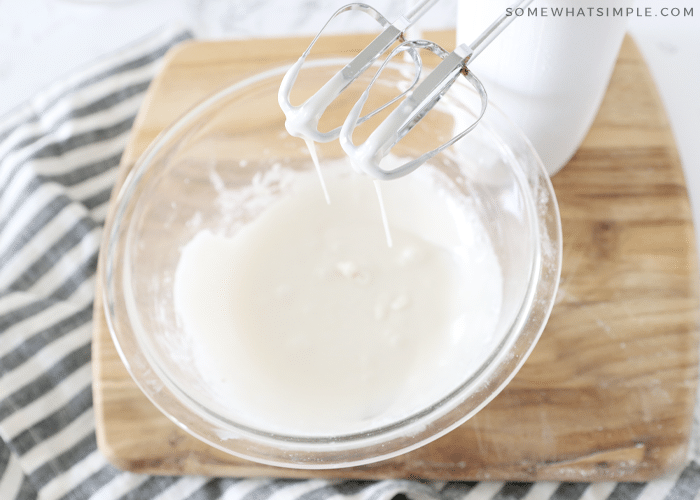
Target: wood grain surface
[[609, 390]]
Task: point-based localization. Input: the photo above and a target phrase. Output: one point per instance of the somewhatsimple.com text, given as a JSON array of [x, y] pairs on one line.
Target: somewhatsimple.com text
[[599, 12]]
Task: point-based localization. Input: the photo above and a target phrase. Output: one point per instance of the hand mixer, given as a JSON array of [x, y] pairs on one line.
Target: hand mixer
[[367, 156], [302, 121]]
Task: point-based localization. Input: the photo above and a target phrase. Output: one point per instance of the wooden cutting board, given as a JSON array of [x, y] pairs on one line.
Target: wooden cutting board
[[608, 392]]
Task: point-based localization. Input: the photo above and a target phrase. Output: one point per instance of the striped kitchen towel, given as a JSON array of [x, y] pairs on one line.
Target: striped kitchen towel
[[58, 159]]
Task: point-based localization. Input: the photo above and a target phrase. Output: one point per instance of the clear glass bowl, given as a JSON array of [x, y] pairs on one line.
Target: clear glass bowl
[[234, 137]]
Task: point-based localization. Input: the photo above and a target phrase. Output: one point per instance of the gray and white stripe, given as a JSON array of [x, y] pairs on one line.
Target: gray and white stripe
[[58, 160]]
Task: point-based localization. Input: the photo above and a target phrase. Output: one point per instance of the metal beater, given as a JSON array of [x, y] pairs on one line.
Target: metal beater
[[302, 121], [367, 156]]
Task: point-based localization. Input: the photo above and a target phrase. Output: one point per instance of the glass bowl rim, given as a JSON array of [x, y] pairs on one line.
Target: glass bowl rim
[[290, 444]]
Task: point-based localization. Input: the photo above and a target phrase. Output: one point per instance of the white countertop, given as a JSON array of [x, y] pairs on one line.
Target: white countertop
[[43, 40]]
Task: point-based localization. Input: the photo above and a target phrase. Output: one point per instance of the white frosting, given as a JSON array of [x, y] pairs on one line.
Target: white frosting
[[302, 121], [305, 322], [314, 157], [382, 211]]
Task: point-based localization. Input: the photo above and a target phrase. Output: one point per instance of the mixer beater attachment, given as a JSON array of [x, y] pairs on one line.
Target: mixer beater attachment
[[302, 121], [418, 102], [368, 156]]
